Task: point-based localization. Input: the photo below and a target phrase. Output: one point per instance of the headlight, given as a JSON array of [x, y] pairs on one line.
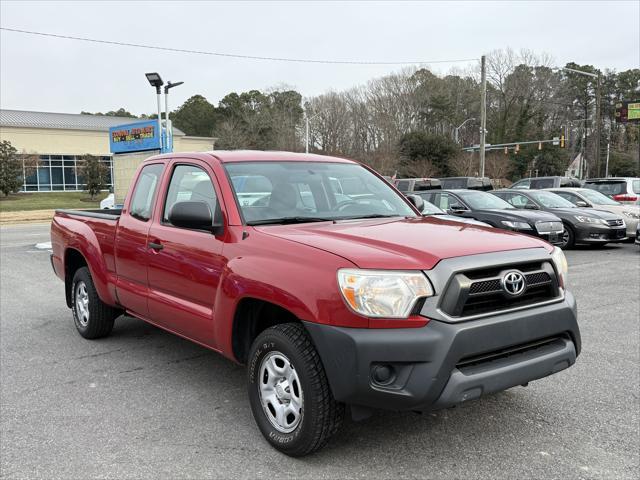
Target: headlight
[[585, 219], [383, 293], [517, 225], [630, 214], [560, 262]]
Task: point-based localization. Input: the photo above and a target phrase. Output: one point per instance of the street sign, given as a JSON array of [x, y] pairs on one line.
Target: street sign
[[628, 112], [134, 137]]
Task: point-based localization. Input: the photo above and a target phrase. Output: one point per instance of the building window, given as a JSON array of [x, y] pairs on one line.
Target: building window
[[60, 173]]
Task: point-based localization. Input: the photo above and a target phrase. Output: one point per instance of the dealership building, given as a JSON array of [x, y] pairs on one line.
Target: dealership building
[[59, 140]]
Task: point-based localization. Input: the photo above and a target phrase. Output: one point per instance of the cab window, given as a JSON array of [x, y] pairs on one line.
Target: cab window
[[145, 191], [189, 183]]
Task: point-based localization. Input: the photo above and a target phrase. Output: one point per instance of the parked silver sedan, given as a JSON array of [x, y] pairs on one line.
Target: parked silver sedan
[[585, 197]]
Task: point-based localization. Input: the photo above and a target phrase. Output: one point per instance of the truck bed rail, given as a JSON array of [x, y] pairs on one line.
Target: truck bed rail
[[105, 214]]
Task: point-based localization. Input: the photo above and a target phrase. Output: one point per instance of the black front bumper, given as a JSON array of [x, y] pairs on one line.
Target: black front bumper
[[589, 233], [444, 364]]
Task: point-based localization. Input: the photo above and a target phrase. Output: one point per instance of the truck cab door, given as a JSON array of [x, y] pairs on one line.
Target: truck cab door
[[131, 251], [186, 264]]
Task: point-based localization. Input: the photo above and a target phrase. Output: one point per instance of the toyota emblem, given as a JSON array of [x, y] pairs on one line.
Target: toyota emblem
[[514, 283]]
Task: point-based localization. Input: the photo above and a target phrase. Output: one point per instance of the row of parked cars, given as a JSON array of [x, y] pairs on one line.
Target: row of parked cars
[[564, 211]]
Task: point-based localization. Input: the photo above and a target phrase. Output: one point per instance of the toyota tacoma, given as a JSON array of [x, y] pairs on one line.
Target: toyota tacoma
[[334, 301]]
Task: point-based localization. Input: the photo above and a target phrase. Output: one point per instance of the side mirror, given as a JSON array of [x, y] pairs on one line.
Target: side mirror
[[416, 201], [457, 209], [581, 203], [531, 206], [194, 215]]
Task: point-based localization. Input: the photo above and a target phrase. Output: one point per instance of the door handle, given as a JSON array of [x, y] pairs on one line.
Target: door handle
[[155, 246]]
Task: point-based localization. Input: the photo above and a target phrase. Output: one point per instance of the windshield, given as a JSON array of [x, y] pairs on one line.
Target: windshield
[[550, 200], [481, 200], [298, 192], [597, 198]]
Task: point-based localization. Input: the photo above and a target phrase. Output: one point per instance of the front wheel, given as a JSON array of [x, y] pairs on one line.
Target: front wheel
[[568, 238], [289, 393]]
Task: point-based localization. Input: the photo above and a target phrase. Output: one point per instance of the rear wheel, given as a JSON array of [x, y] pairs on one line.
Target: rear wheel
[[289, 392], [92, 317]]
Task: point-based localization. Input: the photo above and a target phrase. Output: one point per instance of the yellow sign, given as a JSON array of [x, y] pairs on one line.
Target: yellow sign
[[633, 111]]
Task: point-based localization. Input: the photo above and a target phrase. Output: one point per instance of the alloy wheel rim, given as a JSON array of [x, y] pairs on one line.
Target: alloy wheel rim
[[280, 392], [82, 304], [565, 237]]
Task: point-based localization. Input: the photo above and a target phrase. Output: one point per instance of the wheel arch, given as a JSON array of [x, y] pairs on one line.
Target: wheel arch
[[73, 261], [251, 317]]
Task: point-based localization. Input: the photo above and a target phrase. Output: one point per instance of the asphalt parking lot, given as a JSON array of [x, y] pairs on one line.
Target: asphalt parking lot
[[145, 404]]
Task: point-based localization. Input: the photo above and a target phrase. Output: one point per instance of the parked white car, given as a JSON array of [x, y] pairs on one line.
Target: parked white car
[[585, 197], [108, 203]]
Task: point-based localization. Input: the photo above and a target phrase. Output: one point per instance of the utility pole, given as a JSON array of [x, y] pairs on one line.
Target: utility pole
[[483, 111], [606, 166]]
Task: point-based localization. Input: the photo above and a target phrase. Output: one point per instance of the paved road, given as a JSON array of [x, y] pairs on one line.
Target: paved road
[[145, 404]]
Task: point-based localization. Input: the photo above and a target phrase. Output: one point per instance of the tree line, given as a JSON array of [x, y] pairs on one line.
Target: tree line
[[406, 123]]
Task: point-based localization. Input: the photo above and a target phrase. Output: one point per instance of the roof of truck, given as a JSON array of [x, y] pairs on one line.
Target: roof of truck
[[266, 156]]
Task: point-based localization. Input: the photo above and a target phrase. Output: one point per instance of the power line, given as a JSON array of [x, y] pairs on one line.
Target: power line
[[230, 55]]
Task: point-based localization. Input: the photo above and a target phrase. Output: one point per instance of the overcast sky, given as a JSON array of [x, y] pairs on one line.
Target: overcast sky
[[48, 74]]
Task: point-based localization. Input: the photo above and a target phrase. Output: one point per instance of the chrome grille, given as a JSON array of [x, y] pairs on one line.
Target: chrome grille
[[549, 227], [615, 223]]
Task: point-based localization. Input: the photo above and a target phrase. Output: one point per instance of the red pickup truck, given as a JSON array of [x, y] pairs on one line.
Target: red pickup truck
[[325, 281]]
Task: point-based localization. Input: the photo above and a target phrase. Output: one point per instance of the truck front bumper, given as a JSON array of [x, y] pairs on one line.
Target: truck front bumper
[[444, 364]]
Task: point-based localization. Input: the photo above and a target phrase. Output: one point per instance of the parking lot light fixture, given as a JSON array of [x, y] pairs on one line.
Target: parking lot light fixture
[[156, 81]]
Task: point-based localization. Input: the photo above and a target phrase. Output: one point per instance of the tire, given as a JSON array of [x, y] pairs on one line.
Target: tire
[[93, 318], [568, 238], [287, 350]]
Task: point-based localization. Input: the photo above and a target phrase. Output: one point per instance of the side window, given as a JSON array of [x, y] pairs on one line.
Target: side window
[[518, 201], [568, 196], [145, 192], [189, 183], [447, 202]]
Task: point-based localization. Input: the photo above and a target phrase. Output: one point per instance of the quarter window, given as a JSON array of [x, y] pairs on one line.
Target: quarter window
[[145, 192]]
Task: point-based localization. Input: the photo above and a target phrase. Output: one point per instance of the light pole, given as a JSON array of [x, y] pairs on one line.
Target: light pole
[[598, 123], [307, 118], [168, 144], [155, 81], [460, 126]]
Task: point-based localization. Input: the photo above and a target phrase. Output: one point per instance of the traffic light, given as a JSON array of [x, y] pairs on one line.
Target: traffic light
[[562, 140]]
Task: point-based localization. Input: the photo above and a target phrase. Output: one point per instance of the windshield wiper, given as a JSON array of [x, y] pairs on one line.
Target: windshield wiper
[[289, 220], [373, 215]]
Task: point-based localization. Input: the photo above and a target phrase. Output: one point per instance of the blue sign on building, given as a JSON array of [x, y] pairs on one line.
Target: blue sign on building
[[134, 137]]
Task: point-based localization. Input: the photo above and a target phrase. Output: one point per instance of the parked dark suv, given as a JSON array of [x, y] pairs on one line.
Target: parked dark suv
[[471, 183], [581, 225], [487, 208]]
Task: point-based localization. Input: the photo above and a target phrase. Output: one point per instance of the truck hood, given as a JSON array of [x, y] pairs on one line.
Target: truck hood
[[402, 244]]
